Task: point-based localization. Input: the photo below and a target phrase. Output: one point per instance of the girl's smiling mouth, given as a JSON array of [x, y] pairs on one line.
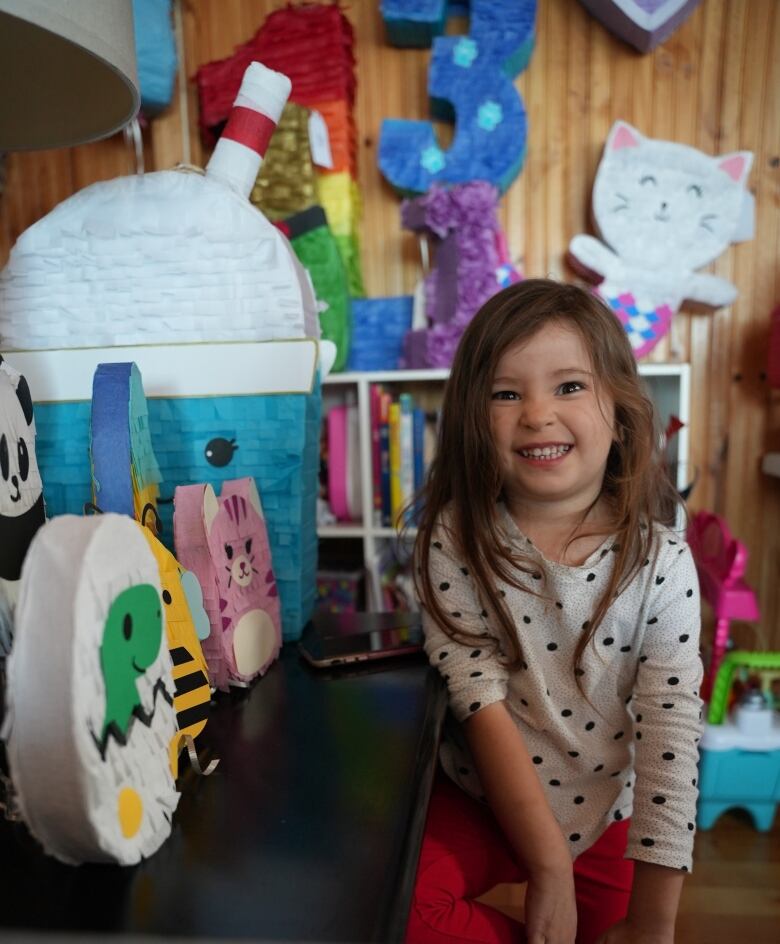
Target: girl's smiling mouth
[[544, 452]]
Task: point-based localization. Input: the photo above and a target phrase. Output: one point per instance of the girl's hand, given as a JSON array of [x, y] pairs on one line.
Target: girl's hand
[[550, 908], [625, 932]]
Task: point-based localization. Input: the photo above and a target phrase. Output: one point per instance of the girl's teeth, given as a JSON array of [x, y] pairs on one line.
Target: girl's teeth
[[548, 452]]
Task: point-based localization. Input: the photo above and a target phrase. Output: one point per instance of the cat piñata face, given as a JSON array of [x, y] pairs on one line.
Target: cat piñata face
[[662, 205], [233, 542]]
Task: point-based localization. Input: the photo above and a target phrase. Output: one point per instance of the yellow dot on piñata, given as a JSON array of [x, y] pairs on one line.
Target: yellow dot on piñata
[[131, 811]]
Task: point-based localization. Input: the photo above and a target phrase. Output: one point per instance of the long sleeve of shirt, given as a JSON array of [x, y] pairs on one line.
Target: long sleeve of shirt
[[667, 714], [474, 674]]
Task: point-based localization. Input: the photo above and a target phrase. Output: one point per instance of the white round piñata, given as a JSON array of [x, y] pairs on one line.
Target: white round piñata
[[166, 257], [89, 715]]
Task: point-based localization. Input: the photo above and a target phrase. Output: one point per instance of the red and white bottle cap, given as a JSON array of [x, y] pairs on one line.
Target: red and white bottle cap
[[253, 119]]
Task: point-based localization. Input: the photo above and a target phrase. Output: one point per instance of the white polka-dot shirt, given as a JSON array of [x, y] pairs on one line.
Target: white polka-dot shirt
[[631, 752]]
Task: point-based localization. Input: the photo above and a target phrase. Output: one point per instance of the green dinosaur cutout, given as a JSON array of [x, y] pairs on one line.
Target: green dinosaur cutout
[[131, 642]]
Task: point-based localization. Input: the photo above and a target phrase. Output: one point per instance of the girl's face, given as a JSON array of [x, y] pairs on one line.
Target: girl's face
[[552, 432]]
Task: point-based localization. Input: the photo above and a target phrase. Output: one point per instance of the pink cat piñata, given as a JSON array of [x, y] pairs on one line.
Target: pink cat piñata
[[225, 543]]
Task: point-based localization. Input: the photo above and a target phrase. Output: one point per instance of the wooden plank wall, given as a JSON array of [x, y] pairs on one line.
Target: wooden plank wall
[[713, 85]]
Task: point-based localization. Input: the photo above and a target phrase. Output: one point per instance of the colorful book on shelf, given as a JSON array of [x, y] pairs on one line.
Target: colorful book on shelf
[[418, 436], [375, 411], [406, 475], [396, 495], [384, 457], [344, 487]]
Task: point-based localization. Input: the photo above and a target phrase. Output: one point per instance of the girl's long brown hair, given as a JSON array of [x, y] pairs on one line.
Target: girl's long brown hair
[[465, 479]]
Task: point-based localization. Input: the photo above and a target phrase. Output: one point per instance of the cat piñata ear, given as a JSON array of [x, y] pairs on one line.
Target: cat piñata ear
[[736, 165], [622, 135], [210, 508]]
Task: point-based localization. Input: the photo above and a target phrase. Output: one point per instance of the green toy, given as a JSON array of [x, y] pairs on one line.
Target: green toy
[[739, 658], [131, 642]]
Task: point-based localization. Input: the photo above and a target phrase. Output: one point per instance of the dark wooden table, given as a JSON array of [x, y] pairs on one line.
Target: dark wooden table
[[309, 830]]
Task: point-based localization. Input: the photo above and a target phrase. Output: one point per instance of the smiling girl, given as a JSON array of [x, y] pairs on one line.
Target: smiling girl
[[562, 611]]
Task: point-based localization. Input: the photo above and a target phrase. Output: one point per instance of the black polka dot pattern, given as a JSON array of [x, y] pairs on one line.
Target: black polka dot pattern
[[652, 623]]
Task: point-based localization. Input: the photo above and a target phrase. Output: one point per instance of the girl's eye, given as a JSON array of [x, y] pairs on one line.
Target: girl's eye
[[571, 386], [505, 395]]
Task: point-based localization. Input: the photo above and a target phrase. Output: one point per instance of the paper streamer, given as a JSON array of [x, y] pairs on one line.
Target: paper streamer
[[90, 704], [663, 210]]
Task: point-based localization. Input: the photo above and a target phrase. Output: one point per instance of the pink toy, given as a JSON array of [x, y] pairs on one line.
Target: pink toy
[[225, 543], [720, 561], [343, 463]]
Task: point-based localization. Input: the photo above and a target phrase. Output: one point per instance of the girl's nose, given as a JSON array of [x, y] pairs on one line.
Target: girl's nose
[[537, 413]]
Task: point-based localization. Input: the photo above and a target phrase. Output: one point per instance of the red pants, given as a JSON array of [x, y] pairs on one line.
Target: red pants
[[464, 854]]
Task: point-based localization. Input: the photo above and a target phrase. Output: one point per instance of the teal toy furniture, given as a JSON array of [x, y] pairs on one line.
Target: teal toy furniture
[[740, 752]]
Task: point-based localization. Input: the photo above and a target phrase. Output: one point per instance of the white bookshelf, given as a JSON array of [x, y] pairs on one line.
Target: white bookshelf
[[669, 385]]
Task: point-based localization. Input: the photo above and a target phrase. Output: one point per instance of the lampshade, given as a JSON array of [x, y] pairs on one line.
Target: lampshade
[[67, 71]]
